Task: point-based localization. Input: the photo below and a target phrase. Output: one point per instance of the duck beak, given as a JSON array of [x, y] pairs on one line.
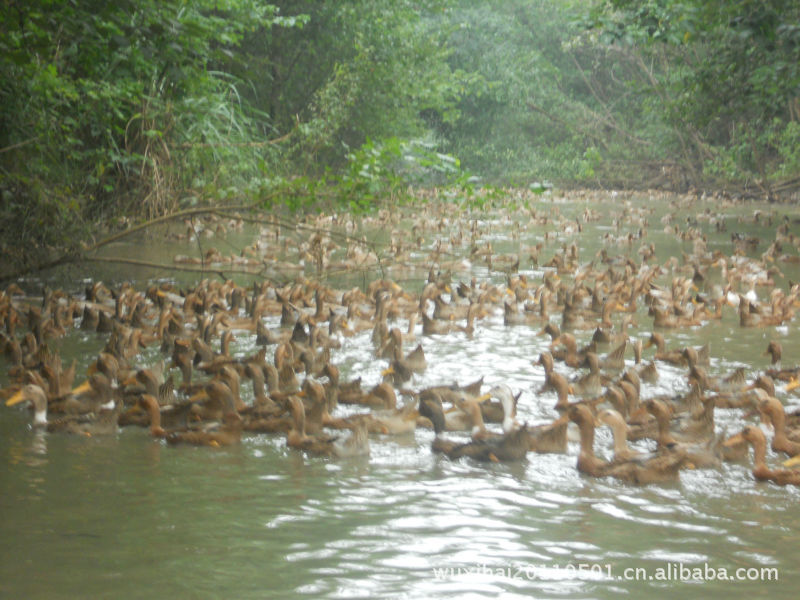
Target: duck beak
[[793, 383], [483, 398], [734, 441], [15, 399], [82, 388], [792, 462], [388, 371]]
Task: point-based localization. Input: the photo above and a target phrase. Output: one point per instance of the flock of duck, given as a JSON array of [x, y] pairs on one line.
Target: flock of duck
[[291, 386]]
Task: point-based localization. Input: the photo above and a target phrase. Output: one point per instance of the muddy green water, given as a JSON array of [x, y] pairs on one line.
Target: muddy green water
[[128, 517]]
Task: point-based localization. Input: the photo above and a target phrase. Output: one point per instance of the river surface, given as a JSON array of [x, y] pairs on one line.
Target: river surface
[[129, 517]]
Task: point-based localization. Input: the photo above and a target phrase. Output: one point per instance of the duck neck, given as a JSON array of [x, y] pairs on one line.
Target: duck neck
[[587, 439], [299, 414], [185, 366], [40, 412], [664, 436], [478, 425], [779, 422], [508, 413], [257, 376], [620, 434], [563, 395], [412, 323], [154, 412], [759, 452]]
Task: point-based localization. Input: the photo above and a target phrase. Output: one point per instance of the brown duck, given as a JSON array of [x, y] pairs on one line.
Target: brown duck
[[510, 446], [755, 437]]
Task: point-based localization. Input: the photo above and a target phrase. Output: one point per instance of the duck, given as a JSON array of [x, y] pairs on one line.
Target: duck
[[321, 444], [663, 468], [393, 421], [512, 316], [591, 383], [543, 439], [101, 422], [656, 466], [761, 472], [392, 341], [506, 447], [619, 429], [774, 351], [701, 455], [149, 382], [198, 434], [666, 319], [615, 359], [402, 369], [563, 389], [772, 411], [674, 357], [569, 354], [228, 434], [431, 326], [678, 357], [465, 414], [163, 419]]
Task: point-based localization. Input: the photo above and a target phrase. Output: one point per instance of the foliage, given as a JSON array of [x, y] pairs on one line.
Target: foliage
[[548, 100], [374, 69], [134, 108], [732, 74], [112, 103]]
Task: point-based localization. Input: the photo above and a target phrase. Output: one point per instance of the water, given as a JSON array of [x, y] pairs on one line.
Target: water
[[128, 517]]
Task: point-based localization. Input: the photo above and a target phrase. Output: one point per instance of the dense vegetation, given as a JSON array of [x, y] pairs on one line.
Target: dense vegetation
[[138, 108]]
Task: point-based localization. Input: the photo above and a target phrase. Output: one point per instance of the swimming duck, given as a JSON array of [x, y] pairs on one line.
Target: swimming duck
[[101, 422], [228, 434], [511, 446], [675, 357], [658, 469], [755, 437], [701, 455], [569, 354], [357, 444], [392, 421], [465, 414], [401, 369], [774, 350], [615, 359], [782, 440], [432, 326], [619, 429], [591, 383], [562, 388]]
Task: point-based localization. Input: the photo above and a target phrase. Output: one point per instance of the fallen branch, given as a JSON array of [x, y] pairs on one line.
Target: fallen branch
[[19, 144]]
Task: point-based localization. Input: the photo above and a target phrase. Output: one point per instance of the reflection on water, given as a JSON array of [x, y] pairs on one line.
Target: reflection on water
[[128, 517]]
